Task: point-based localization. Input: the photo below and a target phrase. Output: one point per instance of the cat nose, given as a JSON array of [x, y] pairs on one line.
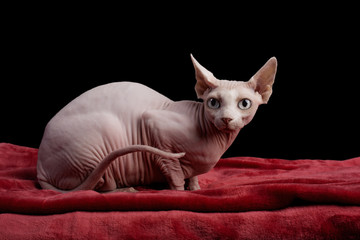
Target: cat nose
[[226, 120]]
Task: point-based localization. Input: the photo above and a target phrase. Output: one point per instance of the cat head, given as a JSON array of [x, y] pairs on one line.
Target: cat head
[[230, 105]]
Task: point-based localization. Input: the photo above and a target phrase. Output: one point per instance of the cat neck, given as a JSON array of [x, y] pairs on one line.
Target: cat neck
[[207, 129], [223, 139]]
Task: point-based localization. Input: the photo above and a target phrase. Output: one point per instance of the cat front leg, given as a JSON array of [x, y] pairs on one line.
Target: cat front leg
[[193, 183], [173, 173]]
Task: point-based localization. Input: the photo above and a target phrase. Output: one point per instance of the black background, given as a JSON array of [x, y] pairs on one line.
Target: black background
[[51, 56]]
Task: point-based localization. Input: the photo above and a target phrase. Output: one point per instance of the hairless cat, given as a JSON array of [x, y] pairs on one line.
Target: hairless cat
[[124, 134]]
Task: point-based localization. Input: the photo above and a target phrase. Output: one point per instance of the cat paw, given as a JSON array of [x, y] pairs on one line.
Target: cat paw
[[127, 189], [194, 187]]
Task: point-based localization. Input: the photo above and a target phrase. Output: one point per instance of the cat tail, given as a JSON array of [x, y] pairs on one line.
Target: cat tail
[[94, 177]]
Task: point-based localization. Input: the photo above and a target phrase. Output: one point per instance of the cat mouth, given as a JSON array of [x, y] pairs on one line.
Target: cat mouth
[[227, 128]]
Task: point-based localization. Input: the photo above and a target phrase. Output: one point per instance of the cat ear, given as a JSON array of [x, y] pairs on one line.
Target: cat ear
[[263, 80], [204, 78]]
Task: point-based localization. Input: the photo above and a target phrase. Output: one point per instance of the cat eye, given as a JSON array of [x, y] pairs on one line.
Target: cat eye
[[244, 104], [213, 103]]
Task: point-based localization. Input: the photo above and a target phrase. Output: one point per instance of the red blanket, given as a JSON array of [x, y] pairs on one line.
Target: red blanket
[[242, 197]]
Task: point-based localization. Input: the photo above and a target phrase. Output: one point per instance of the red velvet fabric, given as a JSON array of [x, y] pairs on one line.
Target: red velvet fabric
[[242, 197]]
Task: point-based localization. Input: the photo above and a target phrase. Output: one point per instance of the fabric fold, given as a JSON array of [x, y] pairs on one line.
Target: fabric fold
[[236, 184]]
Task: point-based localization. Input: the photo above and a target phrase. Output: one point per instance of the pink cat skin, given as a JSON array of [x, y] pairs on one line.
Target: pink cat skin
[[124, 134]]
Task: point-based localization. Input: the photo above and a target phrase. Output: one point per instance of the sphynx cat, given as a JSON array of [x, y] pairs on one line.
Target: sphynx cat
[[124, 134]]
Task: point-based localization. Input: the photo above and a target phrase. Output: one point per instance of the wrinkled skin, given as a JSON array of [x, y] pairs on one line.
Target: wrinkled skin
[[125, 134]]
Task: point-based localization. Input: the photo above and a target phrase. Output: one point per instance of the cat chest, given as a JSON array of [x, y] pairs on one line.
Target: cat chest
[[199, 162]]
